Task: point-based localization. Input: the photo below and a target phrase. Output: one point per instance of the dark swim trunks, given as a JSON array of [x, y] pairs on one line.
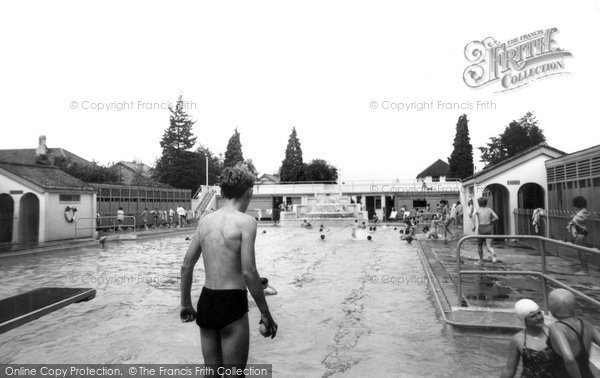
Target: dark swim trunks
[[484, 229], [218, 308]]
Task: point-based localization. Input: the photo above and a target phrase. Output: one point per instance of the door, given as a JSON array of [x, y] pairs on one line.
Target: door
[[6, 218], [29, 218]]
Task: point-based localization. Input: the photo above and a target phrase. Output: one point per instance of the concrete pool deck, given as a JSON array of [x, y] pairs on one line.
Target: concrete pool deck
[[500, 292]]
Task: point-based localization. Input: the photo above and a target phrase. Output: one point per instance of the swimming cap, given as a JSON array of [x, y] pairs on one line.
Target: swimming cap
[[525, 307], [562, 303]]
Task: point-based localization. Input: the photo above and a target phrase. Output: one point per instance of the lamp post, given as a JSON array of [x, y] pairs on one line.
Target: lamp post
[[206, 156]]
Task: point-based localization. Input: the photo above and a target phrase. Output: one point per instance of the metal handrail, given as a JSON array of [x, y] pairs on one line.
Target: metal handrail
[[543, 274], [96, 226], [441, 307]]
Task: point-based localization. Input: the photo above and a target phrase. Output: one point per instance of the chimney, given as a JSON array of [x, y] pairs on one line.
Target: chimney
[[41, 150]]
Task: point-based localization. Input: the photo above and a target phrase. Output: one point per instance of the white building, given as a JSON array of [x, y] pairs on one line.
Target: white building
[[34, 203], [37, 200], [516, 183]]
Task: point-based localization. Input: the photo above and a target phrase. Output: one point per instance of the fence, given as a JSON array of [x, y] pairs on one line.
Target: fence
[[134, 199], [553, 224]]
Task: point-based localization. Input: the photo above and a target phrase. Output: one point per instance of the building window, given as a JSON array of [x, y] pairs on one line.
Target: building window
[[69, 198], [435, 179]]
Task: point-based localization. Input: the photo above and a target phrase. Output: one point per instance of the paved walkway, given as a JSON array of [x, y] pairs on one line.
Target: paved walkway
[[503, 291]]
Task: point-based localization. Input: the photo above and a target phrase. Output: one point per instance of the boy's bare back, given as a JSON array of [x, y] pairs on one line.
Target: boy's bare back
[[485, 215], [220, 235]]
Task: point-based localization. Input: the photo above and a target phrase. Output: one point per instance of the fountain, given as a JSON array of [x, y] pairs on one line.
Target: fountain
[[329, 207], [325, 208]]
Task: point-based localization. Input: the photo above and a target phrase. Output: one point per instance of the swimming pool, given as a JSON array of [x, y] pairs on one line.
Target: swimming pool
[[344, 308]]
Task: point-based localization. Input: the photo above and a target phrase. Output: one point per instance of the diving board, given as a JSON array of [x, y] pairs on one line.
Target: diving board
[[23, 308]]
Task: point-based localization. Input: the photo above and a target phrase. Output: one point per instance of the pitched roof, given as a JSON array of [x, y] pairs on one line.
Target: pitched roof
[[513, 158], [574, 155], [269, 178], [27, 156], [47, 177], [140, 168], [438, 168]]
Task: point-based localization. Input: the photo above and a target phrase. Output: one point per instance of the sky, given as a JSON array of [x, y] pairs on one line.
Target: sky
[[265, 67]]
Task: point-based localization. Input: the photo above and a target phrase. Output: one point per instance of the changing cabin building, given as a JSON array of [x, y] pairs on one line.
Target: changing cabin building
[[39, 202]]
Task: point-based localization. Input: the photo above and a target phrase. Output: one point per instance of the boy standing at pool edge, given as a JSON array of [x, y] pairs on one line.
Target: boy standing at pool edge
[[226, 237], [483, 218]]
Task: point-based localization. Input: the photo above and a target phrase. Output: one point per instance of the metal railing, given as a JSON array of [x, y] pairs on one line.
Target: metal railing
[[97, 223], [542, 275], [444, 312]]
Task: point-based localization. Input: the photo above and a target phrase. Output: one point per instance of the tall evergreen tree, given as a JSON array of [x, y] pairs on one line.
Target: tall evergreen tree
[[292, 167], [234, 154], [178, 166], [517, 136], [461, 159], [178, 136]]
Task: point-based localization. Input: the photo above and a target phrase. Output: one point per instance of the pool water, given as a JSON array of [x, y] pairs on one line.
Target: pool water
[[345, 308]]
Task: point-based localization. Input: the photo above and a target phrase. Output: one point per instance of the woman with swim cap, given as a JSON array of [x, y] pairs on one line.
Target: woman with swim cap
[[531, 344]]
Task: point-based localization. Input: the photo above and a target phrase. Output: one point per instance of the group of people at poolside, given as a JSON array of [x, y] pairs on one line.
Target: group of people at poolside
[[171, 218], [153, 218], [561, 349]]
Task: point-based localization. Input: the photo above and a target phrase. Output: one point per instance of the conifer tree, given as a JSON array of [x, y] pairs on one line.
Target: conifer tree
[[233, 154], [292, 167], [461, 159]]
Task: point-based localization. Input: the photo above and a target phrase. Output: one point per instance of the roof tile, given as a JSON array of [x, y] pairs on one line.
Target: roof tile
[[48, 177]]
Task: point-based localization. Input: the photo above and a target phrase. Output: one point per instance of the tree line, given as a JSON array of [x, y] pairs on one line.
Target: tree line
[[518, 136], [184, 167]]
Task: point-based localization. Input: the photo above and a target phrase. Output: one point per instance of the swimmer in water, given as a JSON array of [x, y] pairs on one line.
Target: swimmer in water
[[410, 232], [531, 344], [570, 337], [483, 218], [267, 289], [225, 239], [306, 225]]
